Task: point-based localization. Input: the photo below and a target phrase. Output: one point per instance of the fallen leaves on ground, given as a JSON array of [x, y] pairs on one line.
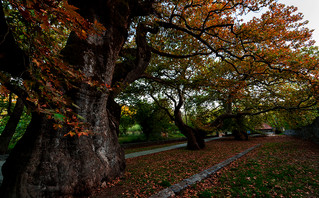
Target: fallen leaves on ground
[[147, 175], [285, 168]]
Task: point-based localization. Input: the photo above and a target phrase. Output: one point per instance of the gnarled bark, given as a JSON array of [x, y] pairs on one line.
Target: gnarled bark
[[45, 163], [195, 138]]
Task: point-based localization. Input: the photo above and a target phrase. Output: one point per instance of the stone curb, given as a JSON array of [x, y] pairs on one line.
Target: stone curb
[[176, 188]]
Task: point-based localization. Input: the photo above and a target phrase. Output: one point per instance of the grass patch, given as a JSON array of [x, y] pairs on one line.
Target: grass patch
[[132, 138], [289, 168]]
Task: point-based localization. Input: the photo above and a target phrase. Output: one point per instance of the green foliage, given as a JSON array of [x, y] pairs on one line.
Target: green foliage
[[126, 120], [135, 128], [3, 111], [22, 126], [3, 123], [291, 119], [152, 119], [20, 130], [125, 123], [41, 29], [58, 117]]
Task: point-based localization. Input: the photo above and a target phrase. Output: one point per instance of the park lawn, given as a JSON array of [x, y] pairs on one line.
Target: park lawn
[[289, 168], [149, 174]]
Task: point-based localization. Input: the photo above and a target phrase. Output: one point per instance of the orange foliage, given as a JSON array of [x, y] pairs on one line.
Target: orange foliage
[[42, 34]]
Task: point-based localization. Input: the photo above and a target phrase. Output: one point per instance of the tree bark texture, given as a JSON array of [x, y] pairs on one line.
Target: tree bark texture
[[195, 140], [11, 126], [45, 163], [239, 130]]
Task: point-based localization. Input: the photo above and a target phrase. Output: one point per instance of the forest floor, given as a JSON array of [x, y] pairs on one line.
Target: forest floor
[[283, 166]]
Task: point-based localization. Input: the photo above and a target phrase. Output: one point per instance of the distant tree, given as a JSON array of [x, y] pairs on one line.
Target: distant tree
[[152, 119], [126, 120]]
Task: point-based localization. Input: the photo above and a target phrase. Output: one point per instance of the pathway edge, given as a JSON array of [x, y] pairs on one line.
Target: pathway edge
[[176, 188], [157, 150]]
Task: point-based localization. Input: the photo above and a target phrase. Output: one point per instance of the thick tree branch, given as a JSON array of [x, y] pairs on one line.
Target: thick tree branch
[[162, 107], [155, 51], [219, 120], [180, 101], [136, 60]]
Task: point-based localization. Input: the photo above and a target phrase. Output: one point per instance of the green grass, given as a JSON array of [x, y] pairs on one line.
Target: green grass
[[284, 169], [134, 135], [132, 138], [19, 132]]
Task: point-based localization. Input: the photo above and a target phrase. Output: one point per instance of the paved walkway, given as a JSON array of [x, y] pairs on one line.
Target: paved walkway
[[127, 156], [147, 152]]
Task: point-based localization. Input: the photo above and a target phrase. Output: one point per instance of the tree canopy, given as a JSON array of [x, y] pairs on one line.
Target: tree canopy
[[262, 49]]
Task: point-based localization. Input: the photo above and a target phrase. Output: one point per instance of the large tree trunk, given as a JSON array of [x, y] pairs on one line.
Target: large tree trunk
[[239, 131], [11, 126], [240, 134], [195, 141], [200, 138], [45, 163]]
